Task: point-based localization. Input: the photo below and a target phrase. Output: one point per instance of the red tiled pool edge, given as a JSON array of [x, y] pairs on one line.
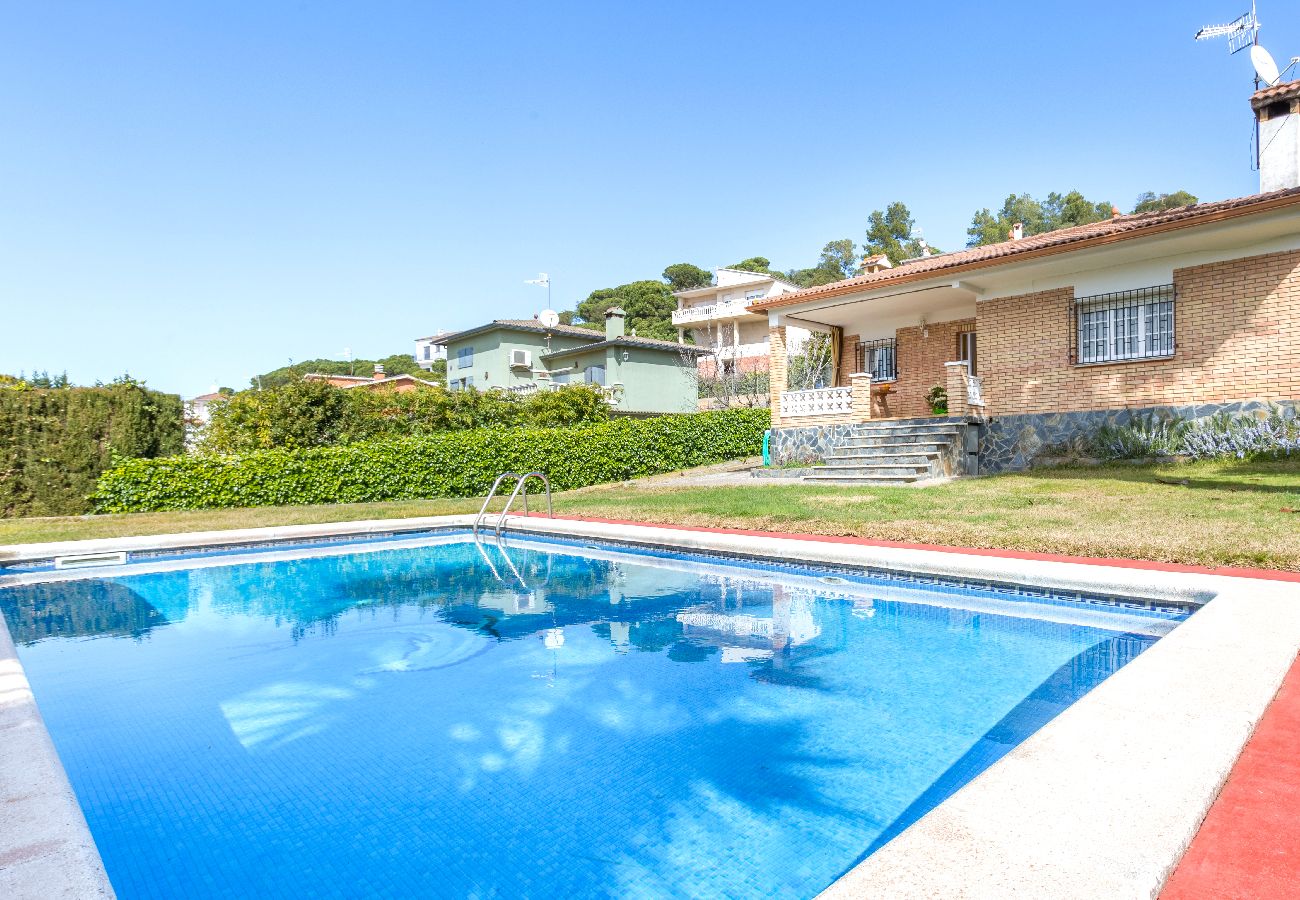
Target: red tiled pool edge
[[1230, 571], [1249, 843]]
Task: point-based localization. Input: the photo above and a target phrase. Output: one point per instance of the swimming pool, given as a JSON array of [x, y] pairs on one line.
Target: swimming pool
[[543, 718]]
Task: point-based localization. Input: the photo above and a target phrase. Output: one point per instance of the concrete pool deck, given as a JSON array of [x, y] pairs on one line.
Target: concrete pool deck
[[1100, 802], [46, 849]]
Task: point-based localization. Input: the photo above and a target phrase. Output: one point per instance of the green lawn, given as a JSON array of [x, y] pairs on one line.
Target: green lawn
[[1227, 513]]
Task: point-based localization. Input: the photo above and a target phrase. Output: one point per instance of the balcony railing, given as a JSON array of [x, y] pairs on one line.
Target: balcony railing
[[817, 402], [728, 310], [742, 351], [613, 393]]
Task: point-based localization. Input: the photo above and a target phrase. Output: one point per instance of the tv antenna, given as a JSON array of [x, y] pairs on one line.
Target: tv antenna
[[542, 280], [1241, 32]]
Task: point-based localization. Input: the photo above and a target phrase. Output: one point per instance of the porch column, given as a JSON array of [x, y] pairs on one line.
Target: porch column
[[861, 384], [955, 385], [777, 369]]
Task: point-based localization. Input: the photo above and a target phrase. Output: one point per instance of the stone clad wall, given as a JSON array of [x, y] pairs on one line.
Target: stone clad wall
[[1011, 443], [806, 445]]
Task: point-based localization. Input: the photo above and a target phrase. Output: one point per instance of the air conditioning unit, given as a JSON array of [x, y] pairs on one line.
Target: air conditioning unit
[[521, 359]]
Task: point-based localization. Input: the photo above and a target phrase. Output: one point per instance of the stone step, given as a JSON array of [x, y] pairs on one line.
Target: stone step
[[888, 469], [889, 445], [863, 480], [886, 424], [911, 420], [901, 431], [838, 459]]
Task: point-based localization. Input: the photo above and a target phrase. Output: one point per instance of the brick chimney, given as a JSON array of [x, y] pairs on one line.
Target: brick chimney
[[873, 264], [615, 323], [379, 372], [1277, 110]]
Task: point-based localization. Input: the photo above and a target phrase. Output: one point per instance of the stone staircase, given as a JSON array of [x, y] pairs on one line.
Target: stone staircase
[[899, 451]]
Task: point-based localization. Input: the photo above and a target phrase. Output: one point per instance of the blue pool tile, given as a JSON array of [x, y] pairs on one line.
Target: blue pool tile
[[425, 722]]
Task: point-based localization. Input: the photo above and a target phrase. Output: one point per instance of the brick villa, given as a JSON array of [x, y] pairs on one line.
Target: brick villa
[[1040, 339]]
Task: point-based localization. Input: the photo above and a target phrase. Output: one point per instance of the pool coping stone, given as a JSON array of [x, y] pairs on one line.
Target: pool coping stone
[[46, 849]]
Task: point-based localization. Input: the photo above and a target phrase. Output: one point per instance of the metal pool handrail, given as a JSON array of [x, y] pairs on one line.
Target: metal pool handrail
[[520, 481], [521, 485], [492, 493]]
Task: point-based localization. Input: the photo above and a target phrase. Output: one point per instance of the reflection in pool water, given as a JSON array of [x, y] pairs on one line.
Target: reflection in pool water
[[460, 720]]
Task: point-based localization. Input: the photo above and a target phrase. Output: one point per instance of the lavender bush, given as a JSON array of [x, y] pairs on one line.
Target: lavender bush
[[1139, 440], [1244, 437]]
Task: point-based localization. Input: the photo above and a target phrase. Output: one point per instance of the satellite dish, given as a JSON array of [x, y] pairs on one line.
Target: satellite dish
[[549, 317], [1265, 68]]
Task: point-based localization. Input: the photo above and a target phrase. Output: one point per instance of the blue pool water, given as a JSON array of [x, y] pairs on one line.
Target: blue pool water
[[543, 720]]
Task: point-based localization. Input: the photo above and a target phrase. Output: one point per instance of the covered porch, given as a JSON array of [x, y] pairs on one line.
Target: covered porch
[[880, 359]]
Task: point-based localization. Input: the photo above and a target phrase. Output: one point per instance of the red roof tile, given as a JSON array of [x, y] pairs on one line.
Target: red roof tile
[[1062, 240], [1287, 90]]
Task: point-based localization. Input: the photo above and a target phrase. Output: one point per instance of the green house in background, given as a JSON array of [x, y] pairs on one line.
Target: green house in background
[[639, 375]]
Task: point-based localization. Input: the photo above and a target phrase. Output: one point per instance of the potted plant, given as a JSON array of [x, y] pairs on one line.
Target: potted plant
[[938, 400]]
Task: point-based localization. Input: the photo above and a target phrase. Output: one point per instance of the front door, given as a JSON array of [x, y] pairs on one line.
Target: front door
[[966, 350]]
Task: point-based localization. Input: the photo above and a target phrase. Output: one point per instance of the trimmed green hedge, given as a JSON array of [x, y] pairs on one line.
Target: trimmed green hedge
[[456, 464], [305, 414], [55, 443]]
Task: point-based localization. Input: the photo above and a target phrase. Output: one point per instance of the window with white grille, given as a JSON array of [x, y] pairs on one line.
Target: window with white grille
[[880, 358], [1124, 325]]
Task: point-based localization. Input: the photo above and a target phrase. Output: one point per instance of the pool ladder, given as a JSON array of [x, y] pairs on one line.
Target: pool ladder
[[520, 485]]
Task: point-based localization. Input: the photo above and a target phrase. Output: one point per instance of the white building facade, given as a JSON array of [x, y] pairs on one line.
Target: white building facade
[[719, 317], [428, 350]]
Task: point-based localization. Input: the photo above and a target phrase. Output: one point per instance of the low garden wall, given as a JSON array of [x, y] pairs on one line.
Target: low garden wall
[[454, 464], [807, 444]]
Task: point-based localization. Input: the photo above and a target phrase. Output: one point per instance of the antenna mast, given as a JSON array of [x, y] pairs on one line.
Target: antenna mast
[[1242, 32]]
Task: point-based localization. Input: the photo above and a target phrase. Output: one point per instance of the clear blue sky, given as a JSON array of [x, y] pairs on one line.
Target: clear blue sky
[[196, 192]]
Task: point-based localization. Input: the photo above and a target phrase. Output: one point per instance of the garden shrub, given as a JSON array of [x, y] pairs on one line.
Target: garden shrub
[[1244, 436], [55, 443], [1139, 440], [304, 414], [451, 464]]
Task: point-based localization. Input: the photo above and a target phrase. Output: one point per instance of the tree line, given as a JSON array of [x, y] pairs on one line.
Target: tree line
[[891, 232], [397, 364]]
